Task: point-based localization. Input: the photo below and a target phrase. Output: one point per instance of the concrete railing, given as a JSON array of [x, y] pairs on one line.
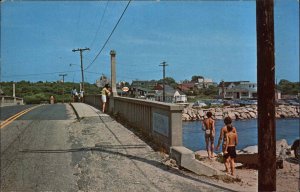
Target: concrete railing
[[159, 121], [8, 100]]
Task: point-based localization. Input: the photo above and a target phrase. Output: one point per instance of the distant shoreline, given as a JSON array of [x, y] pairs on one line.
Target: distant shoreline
[[245, 112]]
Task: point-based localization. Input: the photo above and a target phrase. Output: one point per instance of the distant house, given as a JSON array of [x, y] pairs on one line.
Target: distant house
[[102, 81], [142, 89], [183, 88], [205, 83], [140, 92], [171, 95], [186, 86], [238, 90], [144, 84]]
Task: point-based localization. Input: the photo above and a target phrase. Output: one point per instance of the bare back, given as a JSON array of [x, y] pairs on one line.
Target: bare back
[[224, 131], [209, 123], [232, 139]]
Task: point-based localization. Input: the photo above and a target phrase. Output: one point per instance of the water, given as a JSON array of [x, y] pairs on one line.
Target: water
[[193, 135]]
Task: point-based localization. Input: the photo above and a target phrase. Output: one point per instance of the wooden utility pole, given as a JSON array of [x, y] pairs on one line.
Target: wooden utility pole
[[266, 95], [81, 64], [164, 64], [63, 81]]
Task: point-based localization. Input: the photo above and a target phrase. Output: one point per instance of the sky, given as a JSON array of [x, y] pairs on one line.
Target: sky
[[214, 39]]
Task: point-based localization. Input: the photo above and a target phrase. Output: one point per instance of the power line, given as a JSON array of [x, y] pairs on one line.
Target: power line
[[38, 74], [93, 72], [99, 25], [109, 36]]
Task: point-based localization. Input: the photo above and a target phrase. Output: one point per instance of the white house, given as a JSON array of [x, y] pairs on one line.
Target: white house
[[171, 95], [205, 83], [238, 90]]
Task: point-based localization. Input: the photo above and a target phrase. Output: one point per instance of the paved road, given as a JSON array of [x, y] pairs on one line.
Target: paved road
[[27, 163], [8, 111], [48, 149]]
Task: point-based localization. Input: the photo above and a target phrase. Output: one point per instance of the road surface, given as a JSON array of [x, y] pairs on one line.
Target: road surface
[[45, 148], [27, 163]]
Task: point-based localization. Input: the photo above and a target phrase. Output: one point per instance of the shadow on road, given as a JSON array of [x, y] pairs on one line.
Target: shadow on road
[[106, 149]]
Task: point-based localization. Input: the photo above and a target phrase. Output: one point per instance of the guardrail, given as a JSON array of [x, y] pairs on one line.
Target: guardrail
[[160, 121]]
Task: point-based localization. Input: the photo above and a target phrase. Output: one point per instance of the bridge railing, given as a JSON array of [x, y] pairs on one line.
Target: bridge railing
[[159, 121], [8, 100]]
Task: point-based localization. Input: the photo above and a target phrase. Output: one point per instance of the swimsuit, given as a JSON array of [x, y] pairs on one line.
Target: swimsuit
[[208, 133], [230, 152]]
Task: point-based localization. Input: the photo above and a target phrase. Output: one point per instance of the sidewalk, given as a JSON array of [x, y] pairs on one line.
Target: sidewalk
[[83, 110], [112, 158]]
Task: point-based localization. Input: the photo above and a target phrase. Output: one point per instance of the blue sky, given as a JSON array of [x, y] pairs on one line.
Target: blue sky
[[215, 39]]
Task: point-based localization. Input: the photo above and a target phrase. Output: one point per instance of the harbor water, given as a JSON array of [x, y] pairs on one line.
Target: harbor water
[[193, 135]]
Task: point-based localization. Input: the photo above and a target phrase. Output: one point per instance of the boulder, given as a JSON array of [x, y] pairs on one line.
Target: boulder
[[201, 113], [231, 115], [277, 115], [218, 110], [252, 114], [249, 109], [250, 150], [186, 117], [244, 115], [185, 110], [237, 114], [219, 113], [190, 112], [281, 148], [283, 114]]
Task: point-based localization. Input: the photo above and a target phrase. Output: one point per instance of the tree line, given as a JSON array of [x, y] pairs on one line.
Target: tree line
[[288, 88], [39, 92]]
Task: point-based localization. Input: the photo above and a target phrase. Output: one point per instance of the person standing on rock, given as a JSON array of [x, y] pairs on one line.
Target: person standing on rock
[[222, 137], [208, 125], [230, 149], [104, 93]]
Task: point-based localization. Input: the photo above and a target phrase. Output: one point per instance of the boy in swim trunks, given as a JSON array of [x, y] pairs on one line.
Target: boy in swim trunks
[[222, 137], [230, 151]]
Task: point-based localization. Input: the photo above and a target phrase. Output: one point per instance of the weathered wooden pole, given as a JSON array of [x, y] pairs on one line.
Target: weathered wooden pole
[[266, 95]]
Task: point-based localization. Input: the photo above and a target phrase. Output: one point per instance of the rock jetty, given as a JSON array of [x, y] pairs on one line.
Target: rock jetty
[[246, 112]]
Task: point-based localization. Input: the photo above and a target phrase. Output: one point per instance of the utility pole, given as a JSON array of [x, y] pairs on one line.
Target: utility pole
[[164, 64], [266, 95], [82, 77], [223, 89], [63, 81]]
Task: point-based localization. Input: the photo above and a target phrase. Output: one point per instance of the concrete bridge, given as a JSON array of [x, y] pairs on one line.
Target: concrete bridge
[[160, 122]]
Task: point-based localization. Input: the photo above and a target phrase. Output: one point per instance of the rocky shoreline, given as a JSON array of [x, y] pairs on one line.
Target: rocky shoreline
[[246, 112]]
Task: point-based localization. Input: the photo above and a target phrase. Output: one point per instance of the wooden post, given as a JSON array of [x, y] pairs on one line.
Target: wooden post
[[266, 95]]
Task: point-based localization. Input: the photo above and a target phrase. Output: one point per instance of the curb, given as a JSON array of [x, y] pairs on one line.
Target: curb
[[77, 116]]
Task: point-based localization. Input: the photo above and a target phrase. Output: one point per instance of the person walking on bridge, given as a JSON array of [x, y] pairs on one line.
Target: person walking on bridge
[[104, 93]]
